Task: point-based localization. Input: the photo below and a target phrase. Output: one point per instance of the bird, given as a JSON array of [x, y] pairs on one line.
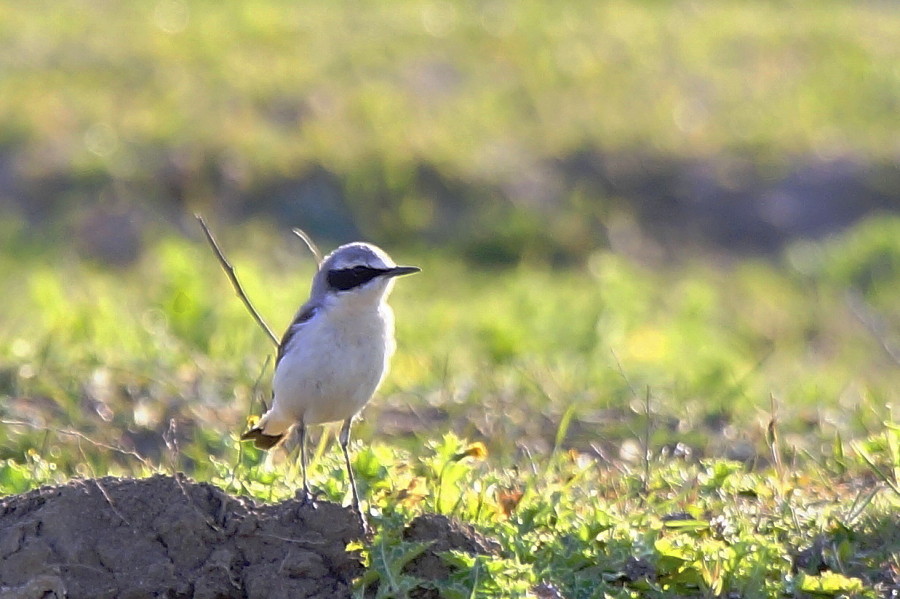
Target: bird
[[334, 354]]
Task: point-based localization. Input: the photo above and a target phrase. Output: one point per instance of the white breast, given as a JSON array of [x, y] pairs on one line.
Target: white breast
[[334, 365]]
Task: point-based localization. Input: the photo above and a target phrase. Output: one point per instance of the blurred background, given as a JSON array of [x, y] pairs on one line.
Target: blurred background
[[496, 128], [690, 201]]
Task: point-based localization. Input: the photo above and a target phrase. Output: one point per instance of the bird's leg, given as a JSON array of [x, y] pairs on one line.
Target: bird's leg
[[307, 496], [345, 442]]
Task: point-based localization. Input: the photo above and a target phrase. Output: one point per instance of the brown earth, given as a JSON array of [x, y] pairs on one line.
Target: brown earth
[[171, 537], [443, 534]]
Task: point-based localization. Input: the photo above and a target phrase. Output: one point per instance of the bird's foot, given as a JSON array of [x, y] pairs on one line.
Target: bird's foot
[[307, 498]]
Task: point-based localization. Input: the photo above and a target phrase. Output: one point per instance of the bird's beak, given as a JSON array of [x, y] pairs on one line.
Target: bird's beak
[[401, 270]]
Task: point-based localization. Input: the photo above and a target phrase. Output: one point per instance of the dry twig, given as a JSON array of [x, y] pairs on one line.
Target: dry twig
[[229, 270], [109, 501], [81, 437], [310, 244], [875, 326]]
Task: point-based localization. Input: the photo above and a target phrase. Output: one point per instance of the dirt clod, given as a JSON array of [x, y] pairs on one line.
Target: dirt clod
[[444, 534], [171, 537]]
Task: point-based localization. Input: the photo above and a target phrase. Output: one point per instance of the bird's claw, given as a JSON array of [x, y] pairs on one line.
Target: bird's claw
[[308, 498]]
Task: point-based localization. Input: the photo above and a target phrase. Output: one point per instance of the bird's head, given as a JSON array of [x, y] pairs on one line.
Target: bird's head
[[357, 272]]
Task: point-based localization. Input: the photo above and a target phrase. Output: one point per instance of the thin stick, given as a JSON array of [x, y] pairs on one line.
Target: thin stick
[[645, 459], [229, 270], [864, 313], [310, 244], [622, 373], [772, 436], [109, 501], [80, 437]]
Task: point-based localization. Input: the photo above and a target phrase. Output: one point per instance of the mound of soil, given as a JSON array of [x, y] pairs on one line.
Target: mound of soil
[[444, 534], [171, 537]]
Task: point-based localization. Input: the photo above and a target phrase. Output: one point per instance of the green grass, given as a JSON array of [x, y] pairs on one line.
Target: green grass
[[591, 528], [568, 376], [497, 355]]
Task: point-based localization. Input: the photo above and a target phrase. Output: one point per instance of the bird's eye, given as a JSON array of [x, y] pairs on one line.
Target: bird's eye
[[344, 279]]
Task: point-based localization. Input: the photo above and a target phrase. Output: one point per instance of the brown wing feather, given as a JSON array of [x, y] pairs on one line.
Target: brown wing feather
[[259, 438]]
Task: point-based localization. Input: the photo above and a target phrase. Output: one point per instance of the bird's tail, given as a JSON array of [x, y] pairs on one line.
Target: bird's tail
[[269, 430], [260, 439]]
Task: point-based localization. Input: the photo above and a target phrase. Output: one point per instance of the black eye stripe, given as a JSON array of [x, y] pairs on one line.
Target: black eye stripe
[[347, 278]]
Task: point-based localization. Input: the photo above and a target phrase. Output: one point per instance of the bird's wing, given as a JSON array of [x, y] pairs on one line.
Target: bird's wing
[[306, 312]]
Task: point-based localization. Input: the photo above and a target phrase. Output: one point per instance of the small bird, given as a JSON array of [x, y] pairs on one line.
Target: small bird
[[335, 353]]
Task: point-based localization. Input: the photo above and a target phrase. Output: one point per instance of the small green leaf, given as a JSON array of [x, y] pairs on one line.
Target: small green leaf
[[686, 525], [829, 584]]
